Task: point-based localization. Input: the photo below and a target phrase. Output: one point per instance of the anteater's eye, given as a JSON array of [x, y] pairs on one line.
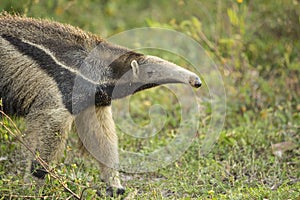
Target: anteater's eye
[[150, 74]]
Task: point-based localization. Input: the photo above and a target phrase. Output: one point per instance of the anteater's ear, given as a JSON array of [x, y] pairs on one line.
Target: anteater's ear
[[135, 68]]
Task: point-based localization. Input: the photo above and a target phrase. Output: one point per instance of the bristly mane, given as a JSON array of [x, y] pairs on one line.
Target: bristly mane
[[47, 28]]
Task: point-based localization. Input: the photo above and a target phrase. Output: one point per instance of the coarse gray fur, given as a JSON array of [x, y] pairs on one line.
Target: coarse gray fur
[[53, 74]]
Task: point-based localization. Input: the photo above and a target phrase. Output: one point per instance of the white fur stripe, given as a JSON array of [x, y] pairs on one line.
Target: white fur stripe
[[48, 52]]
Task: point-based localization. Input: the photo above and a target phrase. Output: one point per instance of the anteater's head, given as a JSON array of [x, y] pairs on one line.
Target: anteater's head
[[134, 72]]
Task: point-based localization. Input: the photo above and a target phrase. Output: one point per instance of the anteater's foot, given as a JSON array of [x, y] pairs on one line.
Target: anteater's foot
[[112, 192]]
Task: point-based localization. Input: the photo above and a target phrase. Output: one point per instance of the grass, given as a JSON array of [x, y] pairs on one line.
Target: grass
[[255, 46], [240, 165]]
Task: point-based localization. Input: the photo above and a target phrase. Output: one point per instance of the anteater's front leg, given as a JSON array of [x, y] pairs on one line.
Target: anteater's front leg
[[96, 130]]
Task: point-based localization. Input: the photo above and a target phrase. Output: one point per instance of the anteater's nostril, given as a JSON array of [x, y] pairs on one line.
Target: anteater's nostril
[[197, 82]]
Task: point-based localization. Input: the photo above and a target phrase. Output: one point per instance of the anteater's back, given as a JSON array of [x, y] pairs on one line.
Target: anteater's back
[[32, 53], [46, 33]]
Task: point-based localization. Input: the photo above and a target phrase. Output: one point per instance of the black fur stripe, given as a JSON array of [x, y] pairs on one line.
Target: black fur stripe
[[64, 78]]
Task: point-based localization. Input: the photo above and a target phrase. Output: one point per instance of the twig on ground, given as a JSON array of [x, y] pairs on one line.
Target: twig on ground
[[17, 134]]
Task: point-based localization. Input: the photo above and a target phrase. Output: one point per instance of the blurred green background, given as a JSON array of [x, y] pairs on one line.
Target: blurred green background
[[255, 45]]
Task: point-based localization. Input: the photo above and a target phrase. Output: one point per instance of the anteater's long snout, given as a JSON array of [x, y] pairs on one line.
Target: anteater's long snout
[[160, 71]]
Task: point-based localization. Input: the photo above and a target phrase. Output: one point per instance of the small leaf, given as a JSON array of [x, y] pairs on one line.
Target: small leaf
[[233, 17], [196, 23], [264, 113]]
